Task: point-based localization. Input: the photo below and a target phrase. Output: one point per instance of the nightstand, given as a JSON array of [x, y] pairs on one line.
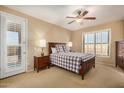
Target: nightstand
[[40, 62]]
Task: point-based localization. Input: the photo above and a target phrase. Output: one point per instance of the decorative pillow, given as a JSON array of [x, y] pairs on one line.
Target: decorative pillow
[[59, 48], [54, 50], [65, 48]]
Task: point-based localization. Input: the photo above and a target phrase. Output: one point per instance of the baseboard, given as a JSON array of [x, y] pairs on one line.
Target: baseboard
[[106, 63], [30, 70]]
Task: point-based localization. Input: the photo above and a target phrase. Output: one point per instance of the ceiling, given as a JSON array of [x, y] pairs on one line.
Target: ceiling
[[56, 14]]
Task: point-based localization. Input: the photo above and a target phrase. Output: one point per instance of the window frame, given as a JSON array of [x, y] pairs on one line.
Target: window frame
[[94, 32]]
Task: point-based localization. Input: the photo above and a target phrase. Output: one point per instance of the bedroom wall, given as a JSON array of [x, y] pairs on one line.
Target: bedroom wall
[[117, 33], [37, 30]]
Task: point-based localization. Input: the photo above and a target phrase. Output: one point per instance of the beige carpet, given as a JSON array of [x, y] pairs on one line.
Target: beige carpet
[[102, 76]]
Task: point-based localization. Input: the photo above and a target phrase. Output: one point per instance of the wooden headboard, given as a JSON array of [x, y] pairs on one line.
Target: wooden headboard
[[52, 44]]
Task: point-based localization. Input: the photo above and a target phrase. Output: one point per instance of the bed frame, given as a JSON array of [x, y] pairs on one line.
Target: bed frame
[[85, 66]]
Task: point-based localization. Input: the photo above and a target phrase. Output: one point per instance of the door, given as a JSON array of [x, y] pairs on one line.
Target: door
[[13, 45]]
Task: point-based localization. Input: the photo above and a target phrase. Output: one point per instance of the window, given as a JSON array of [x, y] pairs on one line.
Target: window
[[97, 43]]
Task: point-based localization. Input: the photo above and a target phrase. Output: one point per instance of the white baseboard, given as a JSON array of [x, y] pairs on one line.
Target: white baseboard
[[30, 70]]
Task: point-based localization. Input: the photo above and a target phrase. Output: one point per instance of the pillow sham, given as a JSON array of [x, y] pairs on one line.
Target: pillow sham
[[54, 50], [59, 48], [65, 48]]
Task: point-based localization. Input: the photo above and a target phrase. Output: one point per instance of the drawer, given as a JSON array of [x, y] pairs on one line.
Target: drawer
[[45, 62], [40, 64], [43, 59]]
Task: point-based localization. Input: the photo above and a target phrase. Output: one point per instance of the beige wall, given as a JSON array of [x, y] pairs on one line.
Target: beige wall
[[117, 33], [37, 30]]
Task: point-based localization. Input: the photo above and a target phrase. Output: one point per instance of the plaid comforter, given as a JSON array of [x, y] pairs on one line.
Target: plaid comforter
[[70, 61]]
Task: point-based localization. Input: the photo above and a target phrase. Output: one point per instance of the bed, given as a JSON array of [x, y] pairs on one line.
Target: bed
[[79, 63]]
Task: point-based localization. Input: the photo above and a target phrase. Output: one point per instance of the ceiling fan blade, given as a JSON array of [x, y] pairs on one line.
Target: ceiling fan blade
[[71, 22], [70, 17], [90, 18], [84, 13], [79, 12]]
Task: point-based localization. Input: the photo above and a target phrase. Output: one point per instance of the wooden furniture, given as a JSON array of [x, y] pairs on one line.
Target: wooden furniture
[[85, 66], [40, 62], [120, 54]]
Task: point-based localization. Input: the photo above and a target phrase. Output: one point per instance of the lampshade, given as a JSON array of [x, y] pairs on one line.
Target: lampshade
[[69, 44], [43, 43]]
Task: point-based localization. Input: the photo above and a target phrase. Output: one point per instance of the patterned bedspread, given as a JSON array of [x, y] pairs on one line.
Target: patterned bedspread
[[70, 61]]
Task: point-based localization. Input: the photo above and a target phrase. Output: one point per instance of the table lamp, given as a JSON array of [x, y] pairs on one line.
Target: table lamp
[[42, 45], [69, 44]]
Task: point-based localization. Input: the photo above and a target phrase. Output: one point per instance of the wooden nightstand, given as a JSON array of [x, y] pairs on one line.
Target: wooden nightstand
[[40, 62]]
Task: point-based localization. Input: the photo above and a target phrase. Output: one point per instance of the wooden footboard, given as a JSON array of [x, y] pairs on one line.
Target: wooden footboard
[[86, 66]]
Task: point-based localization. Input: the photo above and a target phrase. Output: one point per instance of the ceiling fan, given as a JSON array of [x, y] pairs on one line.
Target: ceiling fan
[[81, 15]]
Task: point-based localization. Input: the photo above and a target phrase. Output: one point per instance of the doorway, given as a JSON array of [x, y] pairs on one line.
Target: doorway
[[13, 45]]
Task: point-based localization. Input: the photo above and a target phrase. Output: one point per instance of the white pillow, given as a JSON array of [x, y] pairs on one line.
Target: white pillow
[[54, 50]]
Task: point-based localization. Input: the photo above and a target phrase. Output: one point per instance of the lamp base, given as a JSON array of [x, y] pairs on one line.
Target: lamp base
[[42, 54]]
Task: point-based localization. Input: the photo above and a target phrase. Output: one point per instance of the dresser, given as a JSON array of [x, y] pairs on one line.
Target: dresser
[[41, 62], [120, 54]]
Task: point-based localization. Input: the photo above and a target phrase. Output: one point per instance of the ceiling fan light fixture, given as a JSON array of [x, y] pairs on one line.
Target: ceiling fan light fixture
[[81, 15], [78, 20]]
